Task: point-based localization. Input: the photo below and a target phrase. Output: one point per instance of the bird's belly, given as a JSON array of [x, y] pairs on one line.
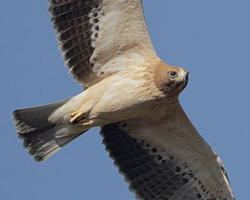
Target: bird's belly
[[124, 106]]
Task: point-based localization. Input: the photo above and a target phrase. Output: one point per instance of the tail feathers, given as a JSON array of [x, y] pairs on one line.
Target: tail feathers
[[31, 119], [43, 143], [41, 137]]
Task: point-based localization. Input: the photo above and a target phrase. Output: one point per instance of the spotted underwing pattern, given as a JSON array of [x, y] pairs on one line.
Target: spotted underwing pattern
[[77, 24], [97, 38], [151, 173]]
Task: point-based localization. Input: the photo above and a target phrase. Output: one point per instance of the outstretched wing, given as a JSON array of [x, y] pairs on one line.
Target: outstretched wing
[[100, 37], [167, 159]]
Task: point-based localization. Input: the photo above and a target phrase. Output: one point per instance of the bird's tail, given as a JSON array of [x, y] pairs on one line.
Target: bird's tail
[[41, 137]]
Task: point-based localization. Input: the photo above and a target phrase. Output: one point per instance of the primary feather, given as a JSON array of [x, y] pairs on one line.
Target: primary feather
[[93, 34], [166, 159]]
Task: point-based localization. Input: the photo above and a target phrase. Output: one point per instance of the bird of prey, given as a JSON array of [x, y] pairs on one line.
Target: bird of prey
[[133, 96]]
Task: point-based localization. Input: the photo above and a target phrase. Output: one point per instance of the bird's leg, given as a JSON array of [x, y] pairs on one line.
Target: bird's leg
[[88, 123], [83, 120], [77, 117], [82, 113]]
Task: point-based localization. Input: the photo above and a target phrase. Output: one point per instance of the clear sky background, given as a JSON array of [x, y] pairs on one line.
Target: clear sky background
[[210, 38]]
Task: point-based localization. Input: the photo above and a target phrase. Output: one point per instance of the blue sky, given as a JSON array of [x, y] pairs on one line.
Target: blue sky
[[209, 38]]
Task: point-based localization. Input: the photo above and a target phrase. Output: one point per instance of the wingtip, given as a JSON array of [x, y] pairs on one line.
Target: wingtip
[[38, 159]]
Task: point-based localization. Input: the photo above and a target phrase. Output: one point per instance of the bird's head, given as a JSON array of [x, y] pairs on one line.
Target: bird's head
[[171, 80]]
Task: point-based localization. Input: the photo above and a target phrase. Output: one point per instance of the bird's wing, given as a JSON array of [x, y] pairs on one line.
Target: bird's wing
[[100, 37], [166, 158]]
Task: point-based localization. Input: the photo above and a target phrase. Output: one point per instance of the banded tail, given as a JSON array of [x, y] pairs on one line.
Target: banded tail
[[41, 137]]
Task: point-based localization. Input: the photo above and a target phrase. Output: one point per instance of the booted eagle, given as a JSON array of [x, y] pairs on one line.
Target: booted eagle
[[133, 96]]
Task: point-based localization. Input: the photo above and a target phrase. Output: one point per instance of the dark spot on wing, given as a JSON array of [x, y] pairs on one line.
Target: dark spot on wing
[[152, 174], [77, 26]]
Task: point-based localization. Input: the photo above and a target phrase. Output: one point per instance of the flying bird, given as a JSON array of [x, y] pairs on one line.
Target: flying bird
[[133, 96]]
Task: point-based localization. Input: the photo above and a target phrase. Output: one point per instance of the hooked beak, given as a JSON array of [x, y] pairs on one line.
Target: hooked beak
[[186, 80]]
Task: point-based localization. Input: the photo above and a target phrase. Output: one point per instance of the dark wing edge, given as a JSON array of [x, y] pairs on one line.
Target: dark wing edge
[[95, 35], [77, 25], [151, 174]]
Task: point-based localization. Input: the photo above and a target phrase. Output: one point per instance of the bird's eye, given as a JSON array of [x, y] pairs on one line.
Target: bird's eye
[[173, 74]]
